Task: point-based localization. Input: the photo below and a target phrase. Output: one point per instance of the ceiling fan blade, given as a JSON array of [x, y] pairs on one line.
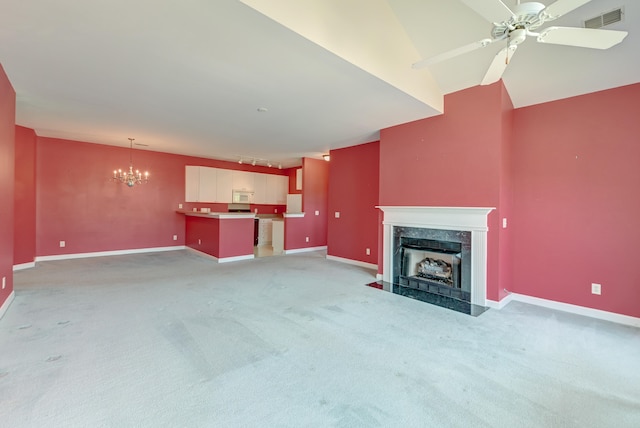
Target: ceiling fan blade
[[562, 7], [491, 10], [453, 53], [582, 37], [499, 65]]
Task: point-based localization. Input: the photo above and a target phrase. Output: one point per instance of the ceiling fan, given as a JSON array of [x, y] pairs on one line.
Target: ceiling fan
[[513, 27]]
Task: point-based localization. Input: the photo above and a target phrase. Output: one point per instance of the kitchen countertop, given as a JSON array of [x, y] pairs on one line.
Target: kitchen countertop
[[222, 215], [269, 216]]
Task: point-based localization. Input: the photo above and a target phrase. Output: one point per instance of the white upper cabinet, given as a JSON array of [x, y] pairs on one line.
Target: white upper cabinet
[[208, 185], [192, 183], [224, 188], [242, 180], [205, 184], [260, 189], [277, 189]]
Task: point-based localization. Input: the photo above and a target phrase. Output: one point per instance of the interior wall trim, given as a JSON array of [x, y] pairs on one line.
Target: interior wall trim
[[304, 250], [22, 266], [7, 303], [567, 307], [107, 253], [353, 262], [235, 258]]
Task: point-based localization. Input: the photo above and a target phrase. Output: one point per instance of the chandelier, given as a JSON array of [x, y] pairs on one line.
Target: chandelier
[[131, 177]]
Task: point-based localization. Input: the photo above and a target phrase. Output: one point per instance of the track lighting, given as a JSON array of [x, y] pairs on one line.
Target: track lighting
[[258, 162]]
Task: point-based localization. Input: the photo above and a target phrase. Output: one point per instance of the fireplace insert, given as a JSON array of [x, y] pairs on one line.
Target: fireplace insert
[[432, 266]]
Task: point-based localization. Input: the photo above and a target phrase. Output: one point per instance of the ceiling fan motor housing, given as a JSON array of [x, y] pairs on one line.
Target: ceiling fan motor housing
[[526, 17]]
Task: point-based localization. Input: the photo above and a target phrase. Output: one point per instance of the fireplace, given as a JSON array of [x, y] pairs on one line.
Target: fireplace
[[433, 266], [433, 260], [439, 250]]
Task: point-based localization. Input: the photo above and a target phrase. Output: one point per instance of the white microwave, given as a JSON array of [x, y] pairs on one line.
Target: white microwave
[[242, 197]]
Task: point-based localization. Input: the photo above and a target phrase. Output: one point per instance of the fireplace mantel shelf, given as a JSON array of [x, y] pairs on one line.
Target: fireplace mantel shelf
[[449, 218]]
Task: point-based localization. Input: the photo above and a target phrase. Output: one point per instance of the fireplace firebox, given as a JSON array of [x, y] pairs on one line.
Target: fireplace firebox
[[432, 266], [433, 261]]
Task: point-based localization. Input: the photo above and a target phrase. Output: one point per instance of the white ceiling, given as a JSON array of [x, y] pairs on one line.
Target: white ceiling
[[189, 77]]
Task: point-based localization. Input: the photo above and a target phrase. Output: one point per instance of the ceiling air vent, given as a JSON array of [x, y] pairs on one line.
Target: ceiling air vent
[[604, 19]]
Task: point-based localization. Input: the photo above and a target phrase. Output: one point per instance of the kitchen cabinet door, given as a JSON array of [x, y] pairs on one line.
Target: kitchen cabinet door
[[191, 183], [278, 187], [260, 188], [265, 230], [224, 193], [208, 184], [242, 180], [277, 236]]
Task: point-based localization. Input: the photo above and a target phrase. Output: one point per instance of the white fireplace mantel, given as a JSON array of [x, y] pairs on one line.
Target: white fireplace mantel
[[472, 219]]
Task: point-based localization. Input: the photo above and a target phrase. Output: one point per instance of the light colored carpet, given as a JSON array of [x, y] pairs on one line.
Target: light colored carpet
[[175, 340]]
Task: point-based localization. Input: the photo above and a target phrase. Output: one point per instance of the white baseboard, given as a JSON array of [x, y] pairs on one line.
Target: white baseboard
[[567, 307], [222, 260], [379, 277], [353, 262], [236, 258], [108, 253], [24, 266], [501, 304], [304, 250], [7, 303]]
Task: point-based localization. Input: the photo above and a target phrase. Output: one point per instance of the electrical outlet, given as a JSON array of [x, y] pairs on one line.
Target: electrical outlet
[[317, 212], [307, 239], [368, 251], [4, 282], [179, 206], [504, 223], [175, 237], [596, 288], [63, 244], [199, 242], [275, 210], [337, 214]]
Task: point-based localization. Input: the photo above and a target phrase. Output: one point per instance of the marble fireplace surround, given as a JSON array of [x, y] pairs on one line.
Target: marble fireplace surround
[[471, 219]]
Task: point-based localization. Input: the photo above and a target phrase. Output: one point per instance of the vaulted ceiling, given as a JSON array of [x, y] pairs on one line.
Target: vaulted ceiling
[[272, 79]]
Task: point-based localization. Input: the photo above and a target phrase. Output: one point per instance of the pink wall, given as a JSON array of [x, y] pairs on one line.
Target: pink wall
[[77, 202], [203, 234], [24, 242], [455, 159], [220, 238], [505, 236], [353, 191], [315, 182], [7, 179], [577, 204], [292, 181]]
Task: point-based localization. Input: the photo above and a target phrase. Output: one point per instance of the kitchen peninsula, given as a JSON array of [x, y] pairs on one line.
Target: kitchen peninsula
[[227, 236]]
